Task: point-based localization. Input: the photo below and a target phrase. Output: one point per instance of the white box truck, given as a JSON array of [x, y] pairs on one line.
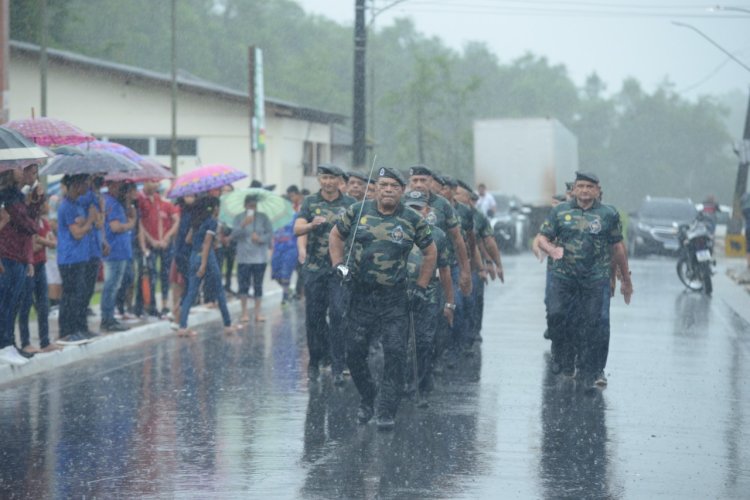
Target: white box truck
[[522, 161], [531, 158]]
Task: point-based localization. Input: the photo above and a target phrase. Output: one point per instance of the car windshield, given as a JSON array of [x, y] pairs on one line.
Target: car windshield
[[668, 209]]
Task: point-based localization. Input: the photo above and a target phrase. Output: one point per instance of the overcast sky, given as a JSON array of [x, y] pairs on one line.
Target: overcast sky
[[615, 38]]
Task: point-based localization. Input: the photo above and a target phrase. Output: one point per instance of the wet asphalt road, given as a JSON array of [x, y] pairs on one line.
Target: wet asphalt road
[[234, 417]]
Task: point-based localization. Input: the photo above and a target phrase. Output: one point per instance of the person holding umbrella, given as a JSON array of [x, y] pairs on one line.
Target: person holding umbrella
[[203, 263], [16, 241], [252, 232]]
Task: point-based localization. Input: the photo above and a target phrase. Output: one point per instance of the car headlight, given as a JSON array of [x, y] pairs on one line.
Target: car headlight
[[643, 226]]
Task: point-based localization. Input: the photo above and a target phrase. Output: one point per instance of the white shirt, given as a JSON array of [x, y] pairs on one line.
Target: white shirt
[[486, 203]]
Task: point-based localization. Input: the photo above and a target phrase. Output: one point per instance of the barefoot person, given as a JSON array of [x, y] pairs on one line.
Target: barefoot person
[[252, 231], [203, 263]]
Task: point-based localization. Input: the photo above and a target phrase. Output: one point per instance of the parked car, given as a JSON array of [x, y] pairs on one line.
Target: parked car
[[511, 223], [654, 227]]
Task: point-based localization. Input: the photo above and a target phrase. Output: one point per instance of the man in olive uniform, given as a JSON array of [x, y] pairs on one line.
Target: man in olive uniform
[[356, 185], [589, 240], [324, 293], [383, 232], [426, 321]]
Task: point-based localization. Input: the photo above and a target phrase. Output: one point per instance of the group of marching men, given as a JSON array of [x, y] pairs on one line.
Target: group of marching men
[[396, 261]]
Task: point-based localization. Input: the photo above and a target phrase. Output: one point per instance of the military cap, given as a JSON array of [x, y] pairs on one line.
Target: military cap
[[420, 170], [449, 181], [464, 185], [587, 176], [415, 198], [329, 169], [439, 179], [474, 196], [358, 175], [393, 174]]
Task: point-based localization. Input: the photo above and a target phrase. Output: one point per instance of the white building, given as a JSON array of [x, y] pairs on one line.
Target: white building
[[132, 106]]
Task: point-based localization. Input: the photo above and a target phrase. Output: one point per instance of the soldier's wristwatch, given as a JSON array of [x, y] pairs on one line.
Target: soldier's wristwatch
[[450, 306]]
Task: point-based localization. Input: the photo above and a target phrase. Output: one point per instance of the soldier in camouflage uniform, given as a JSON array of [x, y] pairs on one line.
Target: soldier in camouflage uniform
[[589, 239], [426, 321], [489, 252], [383, 232], [324, 293]]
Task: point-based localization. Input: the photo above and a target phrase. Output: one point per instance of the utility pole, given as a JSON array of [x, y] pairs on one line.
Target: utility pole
[[359, 149], [4, 59], [173, 142], [43, 42], [740, 186]]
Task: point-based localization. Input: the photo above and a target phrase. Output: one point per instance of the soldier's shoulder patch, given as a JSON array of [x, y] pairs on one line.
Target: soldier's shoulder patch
[[568, 217], [317, 211]]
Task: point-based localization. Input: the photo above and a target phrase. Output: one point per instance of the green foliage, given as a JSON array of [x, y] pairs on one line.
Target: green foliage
[[422, 96]]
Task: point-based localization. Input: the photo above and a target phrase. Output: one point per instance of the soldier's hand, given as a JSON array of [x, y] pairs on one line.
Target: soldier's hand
[[483, 276], [418, 299], [500, 274], [448, 313], [464, 282], [626, 289], [491, 271], [557, 253], [318, 220]]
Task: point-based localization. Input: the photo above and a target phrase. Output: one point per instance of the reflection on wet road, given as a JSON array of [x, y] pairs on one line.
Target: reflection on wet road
[[234, 417]]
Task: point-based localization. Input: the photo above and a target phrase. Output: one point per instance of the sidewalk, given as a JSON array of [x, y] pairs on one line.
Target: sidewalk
[[138, 333], [732, 284]]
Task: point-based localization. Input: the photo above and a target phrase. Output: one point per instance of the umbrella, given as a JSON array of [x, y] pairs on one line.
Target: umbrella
[[151, 170], [111, 147], [277, 208], [16, 151], [47, 131], [88, 162], [204, 179]]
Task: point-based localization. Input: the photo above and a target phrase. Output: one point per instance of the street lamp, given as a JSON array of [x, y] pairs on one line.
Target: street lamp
[[729, 8]]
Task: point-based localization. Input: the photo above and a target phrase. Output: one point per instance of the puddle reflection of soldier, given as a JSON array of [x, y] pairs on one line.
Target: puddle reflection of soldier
[[383, 232]]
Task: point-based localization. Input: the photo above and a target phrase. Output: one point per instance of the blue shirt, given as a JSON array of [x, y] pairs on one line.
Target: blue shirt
[[208, 226], [121, 244], [94, 237], [181, 247], [69, 249]]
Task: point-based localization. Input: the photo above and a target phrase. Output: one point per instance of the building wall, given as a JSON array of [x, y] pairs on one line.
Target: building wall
[[108, 105]]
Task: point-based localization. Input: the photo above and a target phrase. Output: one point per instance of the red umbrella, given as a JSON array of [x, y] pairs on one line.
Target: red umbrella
[[151, 170], [47, 131]]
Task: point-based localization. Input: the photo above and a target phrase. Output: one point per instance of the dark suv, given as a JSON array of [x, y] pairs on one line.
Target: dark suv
[[653, 228]]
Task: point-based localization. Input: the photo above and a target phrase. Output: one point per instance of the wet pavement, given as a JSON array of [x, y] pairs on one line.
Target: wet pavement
[[234, 417]]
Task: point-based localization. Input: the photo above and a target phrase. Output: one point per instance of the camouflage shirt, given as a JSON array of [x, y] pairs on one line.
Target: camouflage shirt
[[383, 242], [587, 237], [317, 239], [482, 226], [443, 216], [443, 260], [465, 218]]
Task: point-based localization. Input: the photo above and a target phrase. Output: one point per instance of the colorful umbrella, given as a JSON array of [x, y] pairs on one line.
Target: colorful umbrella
[[151, 170], [204, 179], [16, 151], [47, 131], [277, 208], [88, 162]]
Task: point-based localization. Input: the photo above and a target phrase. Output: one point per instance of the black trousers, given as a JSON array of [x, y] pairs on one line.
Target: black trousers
[[73, 302], [326, 297], [381, 312]]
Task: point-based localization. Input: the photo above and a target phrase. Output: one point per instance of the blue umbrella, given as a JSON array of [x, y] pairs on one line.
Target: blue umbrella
[[75, 161]]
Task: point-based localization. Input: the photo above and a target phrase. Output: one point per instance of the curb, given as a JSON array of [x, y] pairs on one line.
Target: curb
[[111, 342]]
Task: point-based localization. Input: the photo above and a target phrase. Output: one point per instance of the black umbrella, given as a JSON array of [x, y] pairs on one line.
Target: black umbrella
[[74, 161], [16, 151]]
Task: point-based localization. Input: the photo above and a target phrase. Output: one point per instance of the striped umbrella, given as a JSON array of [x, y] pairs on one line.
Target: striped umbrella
[[47, 131], [204, 179]]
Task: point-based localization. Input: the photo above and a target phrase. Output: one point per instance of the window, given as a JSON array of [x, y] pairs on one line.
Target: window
[[185, 147], [308, 159], [138, 144]]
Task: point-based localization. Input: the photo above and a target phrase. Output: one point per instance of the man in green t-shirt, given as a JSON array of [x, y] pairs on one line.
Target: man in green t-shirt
[[588, 240]]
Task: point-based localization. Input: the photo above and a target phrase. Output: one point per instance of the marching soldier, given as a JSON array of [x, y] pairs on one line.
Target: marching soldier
[[383, 232], [425, 323], [589, 241], [324, 293]]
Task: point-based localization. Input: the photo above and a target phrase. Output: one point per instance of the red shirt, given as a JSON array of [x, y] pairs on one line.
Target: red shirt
[[16, 236], [156, 213], [40, 256]]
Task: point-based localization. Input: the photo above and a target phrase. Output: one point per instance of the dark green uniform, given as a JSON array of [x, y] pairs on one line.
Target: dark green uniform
[[578, 287], [426, 321], [482, 230], [443, 216], [463, 335], [324, 293], [379, 302]]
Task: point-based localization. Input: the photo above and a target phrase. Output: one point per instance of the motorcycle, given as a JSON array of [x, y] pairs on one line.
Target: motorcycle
[[695, 261]]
